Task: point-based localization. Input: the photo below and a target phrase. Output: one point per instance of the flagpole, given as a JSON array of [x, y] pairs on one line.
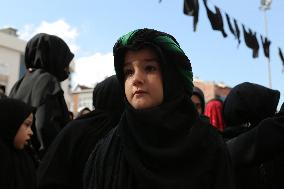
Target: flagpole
[[265, 5]]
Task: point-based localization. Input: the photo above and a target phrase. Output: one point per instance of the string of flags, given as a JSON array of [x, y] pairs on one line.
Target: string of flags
[[191, 8]]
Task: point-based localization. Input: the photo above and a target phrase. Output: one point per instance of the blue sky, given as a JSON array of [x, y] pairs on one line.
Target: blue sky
[[91, 28]]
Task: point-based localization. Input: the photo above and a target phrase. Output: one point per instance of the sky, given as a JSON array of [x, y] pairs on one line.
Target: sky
[[91, 27]]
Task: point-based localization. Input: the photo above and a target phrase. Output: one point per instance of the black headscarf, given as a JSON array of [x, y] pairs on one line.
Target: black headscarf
[[249, 103], [13, 114], [165, 146], [16, 168], [50, 53], [63, 164]]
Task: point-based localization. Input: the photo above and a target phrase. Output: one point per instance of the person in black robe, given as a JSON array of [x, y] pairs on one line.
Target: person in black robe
[[160, 141], [63, 164], [250, 109], [17, 170], [47, 59]]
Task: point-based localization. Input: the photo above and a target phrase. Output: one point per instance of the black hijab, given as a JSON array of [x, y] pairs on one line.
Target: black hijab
[[46, 56], [161, 147], [249, 103], [50, 53], [246, 105], [63, 164], [16, 167]]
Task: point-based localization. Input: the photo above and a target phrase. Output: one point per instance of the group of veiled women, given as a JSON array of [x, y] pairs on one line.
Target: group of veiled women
[[144, 131]]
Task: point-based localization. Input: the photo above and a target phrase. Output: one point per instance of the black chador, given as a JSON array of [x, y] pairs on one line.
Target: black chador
[[251, 41], [215, 19], [191, 8], [63, 164]]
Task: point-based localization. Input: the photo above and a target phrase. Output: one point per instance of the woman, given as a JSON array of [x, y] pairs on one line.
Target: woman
[[160, 141], [47, 59], [63, 164], [256, 136], [16, 168]]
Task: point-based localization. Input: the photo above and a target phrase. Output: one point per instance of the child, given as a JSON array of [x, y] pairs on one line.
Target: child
[[16, 167], [160, 141]]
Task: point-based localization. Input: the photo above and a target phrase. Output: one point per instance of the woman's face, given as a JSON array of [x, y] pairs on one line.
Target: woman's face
[[143, 79], [24, 133], [197, 102]]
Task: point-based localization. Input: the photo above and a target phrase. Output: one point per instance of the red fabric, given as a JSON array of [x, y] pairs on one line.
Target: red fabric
[[213, 110]]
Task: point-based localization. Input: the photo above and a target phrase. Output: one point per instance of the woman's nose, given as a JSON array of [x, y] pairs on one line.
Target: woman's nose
[[31, 132], [138, 77]]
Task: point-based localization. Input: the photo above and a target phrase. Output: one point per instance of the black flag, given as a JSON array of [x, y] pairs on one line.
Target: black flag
[[215, 19], [251, 41], [282, 58], [191, 8], [265, 44]]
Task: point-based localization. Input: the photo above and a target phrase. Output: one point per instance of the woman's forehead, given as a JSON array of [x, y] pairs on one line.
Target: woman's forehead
[[146, 54]]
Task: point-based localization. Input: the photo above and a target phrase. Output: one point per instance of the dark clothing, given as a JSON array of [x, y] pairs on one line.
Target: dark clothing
[[17, 170], [246, 109], [46, 59], [251, 41], [249, 103], [144, 153], [215, 19], [42, 91], [260, 151], [191, 8], [63, 164]]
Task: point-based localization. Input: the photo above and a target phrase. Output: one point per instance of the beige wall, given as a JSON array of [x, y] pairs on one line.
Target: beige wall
[[9, 66]]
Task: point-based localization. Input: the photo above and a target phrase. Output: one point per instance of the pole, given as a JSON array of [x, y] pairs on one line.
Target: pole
[[268, 58], [265, 5]]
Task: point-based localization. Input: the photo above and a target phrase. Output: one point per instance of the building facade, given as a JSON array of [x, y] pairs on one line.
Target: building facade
[[82, 97], [11, 58], [212, 90]]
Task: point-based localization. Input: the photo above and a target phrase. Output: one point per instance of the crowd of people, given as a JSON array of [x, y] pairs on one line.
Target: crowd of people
[[150, 127]]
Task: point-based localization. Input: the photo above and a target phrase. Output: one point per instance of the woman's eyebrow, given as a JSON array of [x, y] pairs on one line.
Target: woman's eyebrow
[[151, 59]]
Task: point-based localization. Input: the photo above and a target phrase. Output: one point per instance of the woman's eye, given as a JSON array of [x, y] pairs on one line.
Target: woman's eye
[[150, 68], [127, 72]]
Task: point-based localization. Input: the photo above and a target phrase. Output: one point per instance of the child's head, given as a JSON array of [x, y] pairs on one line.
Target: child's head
[[16, 119], [152, 68]]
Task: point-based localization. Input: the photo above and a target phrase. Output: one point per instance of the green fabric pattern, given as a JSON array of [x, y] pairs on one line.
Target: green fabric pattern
[[125, 39]]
